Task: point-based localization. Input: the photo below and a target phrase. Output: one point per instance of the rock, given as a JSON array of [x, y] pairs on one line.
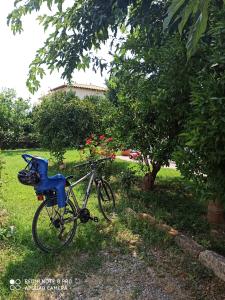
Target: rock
[[173, 232], [217, 234], [163, 227], [148, 218], [213, 261], [188, 245]]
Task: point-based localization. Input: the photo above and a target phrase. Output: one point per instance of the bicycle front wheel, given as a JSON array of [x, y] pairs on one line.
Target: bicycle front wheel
[[53, 228], [106, 200]]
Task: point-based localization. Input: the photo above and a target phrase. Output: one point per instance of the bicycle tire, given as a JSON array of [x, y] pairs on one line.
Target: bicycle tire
[[37, 235], [106, 200]]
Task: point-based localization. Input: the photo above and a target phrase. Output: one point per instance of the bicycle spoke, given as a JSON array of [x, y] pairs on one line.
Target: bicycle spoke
[[50, 236]]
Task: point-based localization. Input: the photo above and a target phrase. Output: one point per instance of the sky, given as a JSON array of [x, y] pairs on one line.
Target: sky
[[17, 52]]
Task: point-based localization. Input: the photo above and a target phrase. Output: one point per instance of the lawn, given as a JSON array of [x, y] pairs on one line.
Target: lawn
[[171, 202]]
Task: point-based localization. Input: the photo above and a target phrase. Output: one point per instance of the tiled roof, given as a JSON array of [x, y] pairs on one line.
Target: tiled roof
[[80, 86]]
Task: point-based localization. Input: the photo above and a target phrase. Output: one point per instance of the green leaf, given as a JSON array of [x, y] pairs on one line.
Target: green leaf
[[186, 13], [198, 28], [172, 11], [49, 4]]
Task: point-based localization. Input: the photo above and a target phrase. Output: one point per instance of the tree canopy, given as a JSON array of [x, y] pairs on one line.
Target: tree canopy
[[150, 99], [190, 18], [15, 121], [174, 106], [63, 121], [201, 150], [78, 30]]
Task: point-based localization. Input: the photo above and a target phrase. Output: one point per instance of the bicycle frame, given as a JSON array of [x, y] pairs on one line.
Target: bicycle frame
[[92, 174]]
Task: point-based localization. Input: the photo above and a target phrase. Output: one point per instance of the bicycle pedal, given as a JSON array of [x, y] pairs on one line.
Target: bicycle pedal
[[95, 219]]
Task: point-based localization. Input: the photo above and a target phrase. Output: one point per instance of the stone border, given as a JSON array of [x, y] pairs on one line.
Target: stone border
[[209, 259]]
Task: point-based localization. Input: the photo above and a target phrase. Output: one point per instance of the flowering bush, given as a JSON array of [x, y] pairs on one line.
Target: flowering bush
[[100, 146]]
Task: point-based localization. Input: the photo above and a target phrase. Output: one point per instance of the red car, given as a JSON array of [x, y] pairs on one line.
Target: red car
[[134, 154]]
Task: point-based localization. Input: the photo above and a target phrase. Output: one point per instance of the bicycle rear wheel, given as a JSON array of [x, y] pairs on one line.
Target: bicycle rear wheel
[[106, 200], [53, 228]]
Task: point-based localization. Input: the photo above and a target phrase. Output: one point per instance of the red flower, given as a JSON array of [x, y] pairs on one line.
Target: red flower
[[109, 139], [113, 156], [88, 141], [102, 137]]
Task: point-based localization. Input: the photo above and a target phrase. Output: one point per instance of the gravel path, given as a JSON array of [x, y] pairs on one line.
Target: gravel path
[[120, 277]]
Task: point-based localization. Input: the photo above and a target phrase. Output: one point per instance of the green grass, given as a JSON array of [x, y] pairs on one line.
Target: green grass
[[171, 202], [174, 202], [19, 258]]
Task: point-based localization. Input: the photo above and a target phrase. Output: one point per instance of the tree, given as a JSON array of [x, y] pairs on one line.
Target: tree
[[78, 31], [201, 155], [190, 18], [150, 98], [153, 84], [63, 120], [15, 121]]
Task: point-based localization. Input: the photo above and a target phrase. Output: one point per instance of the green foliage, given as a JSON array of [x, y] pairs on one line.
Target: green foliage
[[79, 28], [19, 256], [1, 167], [150, 100], [63, 49], [160, 101], [99, 145], [190, 18], [91, 22], [201, 155], [128, 178], [16, 129], [63, 120], [7, 232]]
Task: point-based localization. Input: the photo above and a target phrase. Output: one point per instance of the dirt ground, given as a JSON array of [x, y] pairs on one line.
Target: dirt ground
[[129, 276]]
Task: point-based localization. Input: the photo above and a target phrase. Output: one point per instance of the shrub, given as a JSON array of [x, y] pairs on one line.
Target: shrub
[[63, 120]]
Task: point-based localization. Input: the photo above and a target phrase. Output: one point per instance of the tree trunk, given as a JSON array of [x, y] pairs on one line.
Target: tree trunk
[[215, 214], [149, 178]]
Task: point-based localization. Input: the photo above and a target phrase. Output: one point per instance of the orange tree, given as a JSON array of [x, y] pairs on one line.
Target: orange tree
[[201, 152], [151, 103]]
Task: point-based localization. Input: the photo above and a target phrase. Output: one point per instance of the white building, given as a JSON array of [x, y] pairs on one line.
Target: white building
[[82, 90]]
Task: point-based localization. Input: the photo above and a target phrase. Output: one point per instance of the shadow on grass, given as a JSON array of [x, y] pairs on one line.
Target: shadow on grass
[[174, 203], [83, 255], [29, 262], [90, 239]]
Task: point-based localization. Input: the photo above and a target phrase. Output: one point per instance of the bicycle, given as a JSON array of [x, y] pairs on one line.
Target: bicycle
[[54, 227]]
